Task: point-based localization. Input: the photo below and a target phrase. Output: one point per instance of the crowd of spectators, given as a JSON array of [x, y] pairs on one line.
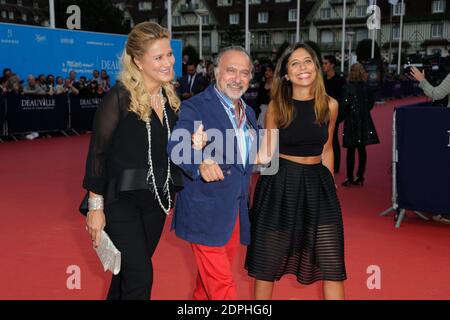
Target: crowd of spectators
[[43, 84]]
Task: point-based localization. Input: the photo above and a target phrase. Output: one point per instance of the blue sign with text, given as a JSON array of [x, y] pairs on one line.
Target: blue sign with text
[[38, 50]]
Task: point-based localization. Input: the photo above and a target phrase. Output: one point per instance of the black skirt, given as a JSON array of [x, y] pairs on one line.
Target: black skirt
[[296, 226]]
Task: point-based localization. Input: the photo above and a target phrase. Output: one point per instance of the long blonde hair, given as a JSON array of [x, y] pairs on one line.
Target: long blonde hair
[[282, 90], [139, 39]]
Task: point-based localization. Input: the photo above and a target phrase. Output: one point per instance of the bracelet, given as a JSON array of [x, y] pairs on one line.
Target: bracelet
[[95, 203]]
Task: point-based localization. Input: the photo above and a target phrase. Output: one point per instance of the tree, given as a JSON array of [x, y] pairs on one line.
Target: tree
[[98, 16], [364, 51], [233, 36], [316, 48], [281, 49], [192, 53]]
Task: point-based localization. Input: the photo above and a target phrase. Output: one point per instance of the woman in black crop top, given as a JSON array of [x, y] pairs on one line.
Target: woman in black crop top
[[129, 176], [296, 217]]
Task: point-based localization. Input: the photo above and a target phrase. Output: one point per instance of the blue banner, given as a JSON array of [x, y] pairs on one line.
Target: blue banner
[[423, 170], [38, 50]]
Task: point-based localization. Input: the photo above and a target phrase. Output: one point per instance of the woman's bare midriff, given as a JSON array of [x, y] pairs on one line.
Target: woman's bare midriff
[[302, 160]]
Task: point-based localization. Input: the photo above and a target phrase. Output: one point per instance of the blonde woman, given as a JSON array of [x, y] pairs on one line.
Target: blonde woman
[[296, 221], [130, 179]]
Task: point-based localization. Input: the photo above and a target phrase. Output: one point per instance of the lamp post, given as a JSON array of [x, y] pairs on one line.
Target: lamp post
[[51, 7], [344, 13], [350, 39], [374, 34], [247, 28], [297, 33], [169, 16], [200, 13], [400, 38]]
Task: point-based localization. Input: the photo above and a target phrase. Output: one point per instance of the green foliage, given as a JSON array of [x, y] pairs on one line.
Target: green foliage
[[364, 50], [191, 52]]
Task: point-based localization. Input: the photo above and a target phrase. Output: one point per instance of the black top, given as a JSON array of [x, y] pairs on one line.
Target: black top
[[303, 137], [118, 151], [334, 88], [263, 94]]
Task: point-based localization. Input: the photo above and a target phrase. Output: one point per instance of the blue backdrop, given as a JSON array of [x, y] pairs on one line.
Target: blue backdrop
[[37, 50], [423, 167]]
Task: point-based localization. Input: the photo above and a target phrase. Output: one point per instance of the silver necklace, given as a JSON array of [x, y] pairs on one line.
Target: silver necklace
[[150, 173]]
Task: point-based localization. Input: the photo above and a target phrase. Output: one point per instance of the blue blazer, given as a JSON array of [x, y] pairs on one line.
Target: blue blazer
[[205, 213]]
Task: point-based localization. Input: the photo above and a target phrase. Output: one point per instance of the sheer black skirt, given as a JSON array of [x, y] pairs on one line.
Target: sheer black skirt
[[296, 226]]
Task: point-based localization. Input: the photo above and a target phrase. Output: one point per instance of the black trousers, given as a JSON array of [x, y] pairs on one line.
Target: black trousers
[[336, 149], [134, 224], [362, 155]]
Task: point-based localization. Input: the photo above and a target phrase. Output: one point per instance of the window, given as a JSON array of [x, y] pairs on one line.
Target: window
[[254, 2], [437, 30], [398, 9], [4, 14], [205, 20], [11, 15], [281, 1], [36, 19], [206, 41], [263, 17], [438, 6], [436, 51], [395, 32], [326, 37], [264, 40], [24, 17], [325, 13], [2, 1], [361, 11], [20, 3], [176, 20], [221, 3], [153, 19], [292, 15], [145, 5], [36, 5], [234, 18]]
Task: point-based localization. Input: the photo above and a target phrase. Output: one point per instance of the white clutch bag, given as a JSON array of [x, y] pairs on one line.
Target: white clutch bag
[[108, 254]]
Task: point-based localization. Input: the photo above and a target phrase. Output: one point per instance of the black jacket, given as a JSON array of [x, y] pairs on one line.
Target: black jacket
[[357, 101], [118, 152]]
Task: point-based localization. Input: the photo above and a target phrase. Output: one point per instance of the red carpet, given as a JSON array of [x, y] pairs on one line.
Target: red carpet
[[42, 233]]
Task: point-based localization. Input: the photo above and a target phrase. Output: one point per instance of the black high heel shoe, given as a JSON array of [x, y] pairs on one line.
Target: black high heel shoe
[[347, 182], [359, 181]]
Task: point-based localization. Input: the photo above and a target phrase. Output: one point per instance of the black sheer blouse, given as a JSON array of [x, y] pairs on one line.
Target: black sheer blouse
[[118, 152]]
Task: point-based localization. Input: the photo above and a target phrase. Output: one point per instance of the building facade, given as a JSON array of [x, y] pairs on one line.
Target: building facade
[[31, 12], [426, 23]]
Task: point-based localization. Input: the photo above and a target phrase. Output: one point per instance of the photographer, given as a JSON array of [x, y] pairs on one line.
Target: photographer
[[436, 93]]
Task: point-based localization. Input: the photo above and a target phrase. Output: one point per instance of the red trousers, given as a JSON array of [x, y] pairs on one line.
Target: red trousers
[[215, 278]]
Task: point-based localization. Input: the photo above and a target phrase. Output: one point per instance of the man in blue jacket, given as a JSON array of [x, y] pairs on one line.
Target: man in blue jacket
[[211, 212]]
